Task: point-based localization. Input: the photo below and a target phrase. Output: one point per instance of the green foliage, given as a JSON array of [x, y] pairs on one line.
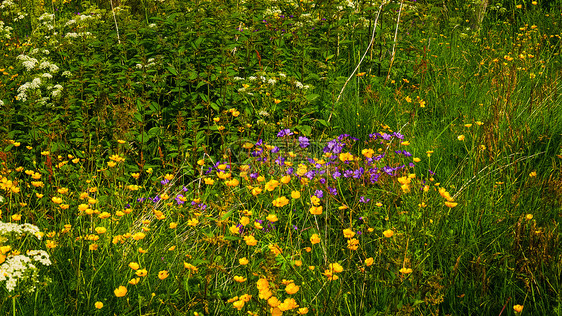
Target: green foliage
[[125, 117]]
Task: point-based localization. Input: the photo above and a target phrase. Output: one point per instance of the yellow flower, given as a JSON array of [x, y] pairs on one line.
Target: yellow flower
[[56, 199], [138, 236], [62, 190], [239, 279], [272, 218], [302, 311], [193, 222], [101, 230], [518, 308], [134, 265], [250, 240], [16, 217], [417, 159], [244, 221], [406, 270], [142, 250], [232, 183], [191, 267], [173, 225], [120, 291], [353, 244], [388, 233], [243, 261], [134, 281], [93, 247], [336, 267], [314, 200], [209, 181], [529, 217], [98, 305], [369, 261], [292, 288], [286, 179], [368, 152], [451, 204], [314, 239], [408, 99], [295, 194], [533, 174], [271, 185], [316, 210], [50, 244], [111, 164], [348, 233], [280, 201], [234, 230], [460, 137], [141, 272], [163, 274]]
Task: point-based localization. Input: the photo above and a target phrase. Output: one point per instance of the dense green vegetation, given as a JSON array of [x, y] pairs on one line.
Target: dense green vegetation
[[280, 157]]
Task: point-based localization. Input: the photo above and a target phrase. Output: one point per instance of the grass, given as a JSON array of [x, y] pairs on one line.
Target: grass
[[206, 160]]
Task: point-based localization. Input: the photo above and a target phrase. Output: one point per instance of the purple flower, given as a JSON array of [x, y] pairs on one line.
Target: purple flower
[[347, 173], [165, 181], [310, 175], [156, 199], [253, 175], [364, 199], [319, 193], [260, 142], [178, 200], [303, 142], [336, 174], [290, 170], [284, 132], [333, 191], [358, 173], [185, 189], [323, 180], [375, 177], [333, 146], [280, 160], [275, 150], [398, 135]]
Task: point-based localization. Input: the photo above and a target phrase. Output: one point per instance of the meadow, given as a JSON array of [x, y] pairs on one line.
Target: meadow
[[280, 157]]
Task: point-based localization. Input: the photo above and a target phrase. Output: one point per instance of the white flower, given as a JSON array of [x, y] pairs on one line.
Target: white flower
[[47, 75], [238, 79], [1, 198], [252, 78], [299, 85], [152, 25], [271, 81], [66, 73]]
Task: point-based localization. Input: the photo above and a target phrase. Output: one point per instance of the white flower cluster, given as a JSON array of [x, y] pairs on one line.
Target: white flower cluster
[[57, 90], [149, 63], [7, 4], [20, 267], [1, 198], [5, 31], [18, 229], [28, 62], [76, 35], [46, 64], [33, 85], [299, 85]]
